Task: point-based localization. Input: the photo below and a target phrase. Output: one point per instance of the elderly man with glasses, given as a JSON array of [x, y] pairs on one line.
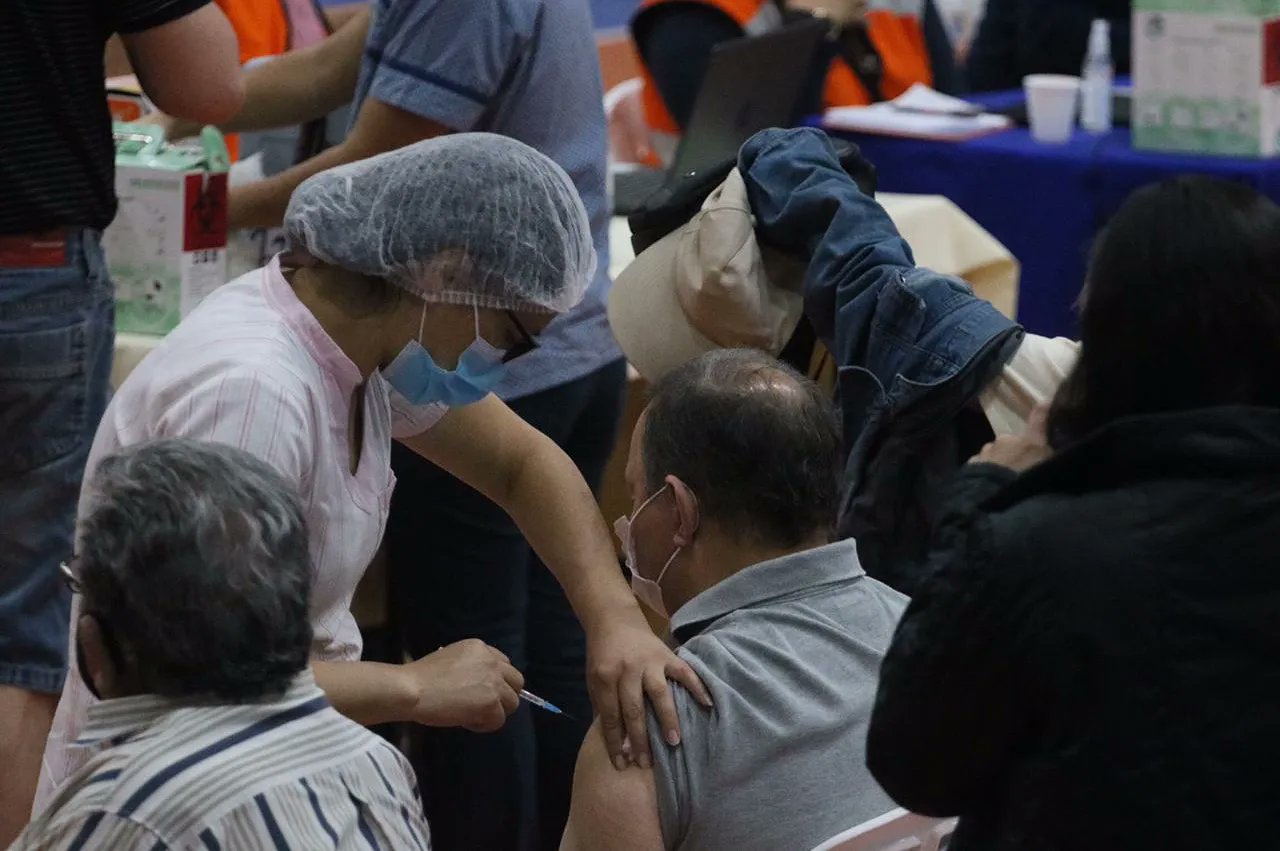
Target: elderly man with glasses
[[191, 587]]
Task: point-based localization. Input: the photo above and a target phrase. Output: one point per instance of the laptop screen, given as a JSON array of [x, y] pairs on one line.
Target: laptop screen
[[751, 84]]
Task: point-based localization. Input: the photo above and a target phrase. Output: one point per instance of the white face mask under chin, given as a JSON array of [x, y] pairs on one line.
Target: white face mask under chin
[[647, 591]]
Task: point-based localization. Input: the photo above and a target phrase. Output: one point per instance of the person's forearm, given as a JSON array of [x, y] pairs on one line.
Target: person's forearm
[[378, 128], [527, 475], [302, 85], [262, 204], [285, 91], [366, 692], [339, 15], [556, 511]]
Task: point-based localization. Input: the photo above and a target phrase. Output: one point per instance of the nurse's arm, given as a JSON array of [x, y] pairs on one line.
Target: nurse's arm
[[490, 448], [367, 692], [468, 684]]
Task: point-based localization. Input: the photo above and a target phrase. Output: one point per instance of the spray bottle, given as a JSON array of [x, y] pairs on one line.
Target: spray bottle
[[1095, 88]]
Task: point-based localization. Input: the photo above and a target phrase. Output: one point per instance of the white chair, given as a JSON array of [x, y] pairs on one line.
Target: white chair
[[630, 140], [896, 830]]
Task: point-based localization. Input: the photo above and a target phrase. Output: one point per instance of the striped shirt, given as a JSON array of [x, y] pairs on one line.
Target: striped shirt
[[288, 773], [57, 161]]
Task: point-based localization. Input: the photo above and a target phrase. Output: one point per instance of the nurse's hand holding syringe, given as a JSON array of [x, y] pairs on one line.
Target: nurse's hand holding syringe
[[467, 684]]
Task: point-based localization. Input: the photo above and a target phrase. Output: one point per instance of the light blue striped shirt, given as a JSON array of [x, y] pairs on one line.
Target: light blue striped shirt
[[286, 774]]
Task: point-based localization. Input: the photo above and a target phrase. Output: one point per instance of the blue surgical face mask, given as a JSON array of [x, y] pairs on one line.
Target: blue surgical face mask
[[416, 376]]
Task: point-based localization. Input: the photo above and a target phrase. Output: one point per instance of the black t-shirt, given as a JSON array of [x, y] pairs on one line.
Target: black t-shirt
[[57, 161]]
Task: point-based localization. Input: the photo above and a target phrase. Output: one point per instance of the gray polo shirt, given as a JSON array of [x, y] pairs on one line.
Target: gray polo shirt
[[527, 69], [791, 652]]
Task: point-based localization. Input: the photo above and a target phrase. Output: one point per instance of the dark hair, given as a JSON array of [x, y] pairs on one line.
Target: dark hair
[[195, 557], [1181, 308], [756, 441]]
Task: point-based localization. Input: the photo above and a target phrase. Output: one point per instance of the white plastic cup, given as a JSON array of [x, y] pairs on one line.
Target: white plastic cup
[[1052, 100]]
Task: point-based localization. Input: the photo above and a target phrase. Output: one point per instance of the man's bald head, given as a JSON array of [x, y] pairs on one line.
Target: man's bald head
[[755, 441]]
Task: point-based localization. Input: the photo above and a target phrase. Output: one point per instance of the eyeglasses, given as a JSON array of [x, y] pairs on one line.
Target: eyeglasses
[[68, 569], [527, 342], [69, 576]]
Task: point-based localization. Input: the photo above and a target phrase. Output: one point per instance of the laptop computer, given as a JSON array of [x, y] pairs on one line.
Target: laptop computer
[[751, 84]]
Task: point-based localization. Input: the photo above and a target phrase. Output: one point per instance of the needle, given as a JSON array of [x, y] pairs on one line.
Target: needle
[[542, 703]]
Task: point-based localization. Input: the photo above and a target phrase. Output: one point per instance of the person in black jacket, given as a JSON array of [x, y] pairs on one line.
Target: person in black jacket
[[1020, 37], [1093, 658]]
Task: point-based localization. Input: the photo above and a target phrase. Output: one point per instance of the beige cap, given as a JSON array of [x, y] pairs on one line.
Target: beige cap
[[706, 285]]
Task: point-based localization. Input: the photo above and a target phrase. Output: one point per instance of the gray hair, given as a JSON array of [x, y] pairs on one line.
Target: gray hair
[[195, 557], [755, 441]]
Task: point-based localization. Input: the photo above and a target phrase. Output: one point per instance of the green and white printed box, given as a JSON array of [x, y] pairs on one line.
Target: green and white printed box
[[167, 247], [1206, 76]]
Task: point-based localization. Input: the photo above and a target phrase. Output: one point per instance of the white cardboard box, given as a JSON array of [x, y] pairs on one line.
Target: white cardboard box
[[1206, 76], [167, 247]]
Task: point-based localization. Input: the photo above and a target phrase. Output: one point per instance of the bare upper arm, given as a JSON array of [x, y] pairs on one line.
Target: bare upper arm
[[378, 126], [611, 810], [483, 444], [115, 59], [190, 67]]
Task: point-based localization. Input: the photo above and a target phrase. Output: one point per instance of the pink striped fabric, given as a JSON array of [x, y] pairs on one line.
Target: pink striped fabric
[[252, 367]]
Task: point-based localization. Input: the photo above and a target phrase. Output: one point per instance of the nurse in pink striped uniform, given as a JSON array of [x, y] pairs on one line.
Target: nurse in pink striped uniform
[[415, 277]]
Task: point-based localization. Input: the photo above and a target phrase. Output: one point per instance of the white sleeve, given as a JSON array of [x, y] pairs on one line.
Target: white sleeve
[[1031, 378], [257, 411]]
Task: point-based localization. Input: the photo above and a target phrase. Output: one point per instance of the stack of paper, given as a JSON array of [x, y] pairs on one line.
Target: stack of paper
[[919, 113]]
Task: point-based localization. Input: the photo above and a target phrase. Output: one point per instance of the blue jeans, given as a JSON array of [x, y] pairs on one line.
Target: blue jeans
[[459, 568], [57, 333]]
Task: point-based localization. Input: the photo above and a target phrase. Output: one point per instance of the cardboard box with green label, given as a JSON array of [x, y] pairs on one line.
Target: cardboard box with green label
[[1206, 76], [167, 247]]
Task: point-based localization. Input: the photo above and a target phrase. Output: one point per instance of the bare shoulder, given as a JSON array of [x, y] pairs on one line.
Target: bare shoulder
[[611, 809]]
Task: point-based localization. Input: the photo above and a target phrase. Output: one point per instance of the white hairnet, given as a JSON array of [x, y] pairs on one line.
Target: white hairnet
[[471, 218]]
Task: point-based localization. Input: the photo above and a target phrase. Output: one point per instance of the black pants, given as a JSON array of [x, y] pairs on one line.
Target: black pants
[[459, 568]]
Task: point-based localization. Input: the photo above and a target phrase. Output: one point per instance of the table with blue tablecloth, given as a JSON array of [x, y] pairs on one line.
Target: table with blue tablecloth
[[1044, 203]]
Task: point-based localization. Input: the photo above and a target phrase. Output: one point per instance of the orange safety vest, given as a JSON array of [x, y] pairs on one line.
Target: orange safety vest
[[896, 34], [272, 27], [261, 27]]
